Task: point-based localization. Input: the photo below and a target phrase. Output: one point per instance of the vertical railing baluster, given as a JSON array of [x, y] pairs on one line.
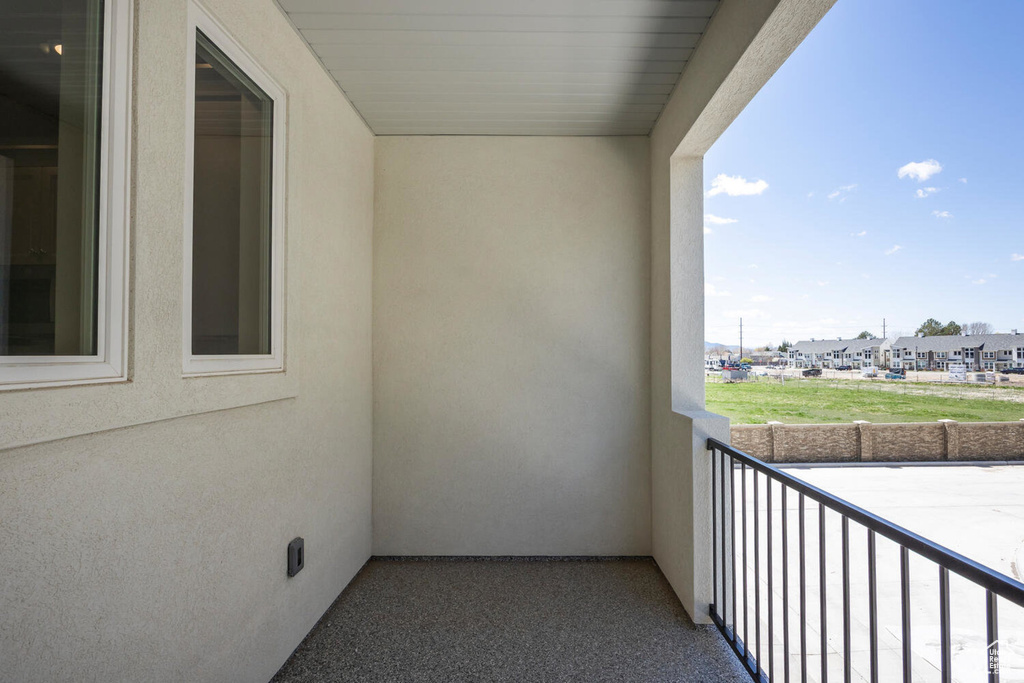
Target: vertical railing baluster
[[946, 655], [732, 541], [905, 599], [725, 575], [803, 593], [715, 605], [992, 636], [757, 580], [771, 594], [872, 607], [847, 650], [823, 593], [743, 495], [785, 587]]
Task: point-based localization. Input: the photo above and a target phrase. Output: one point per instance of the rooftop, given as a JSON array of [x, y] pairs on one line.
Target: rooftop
[[824, 345], [991, 342]]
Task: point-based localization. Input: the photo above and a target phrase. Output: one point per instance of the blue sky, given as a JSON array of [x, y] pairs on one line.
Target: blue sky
[[830, 238]]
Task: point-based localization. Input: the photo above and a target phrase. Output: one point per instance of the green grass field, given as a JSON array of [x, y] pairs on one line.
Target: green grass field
[[818, 401]]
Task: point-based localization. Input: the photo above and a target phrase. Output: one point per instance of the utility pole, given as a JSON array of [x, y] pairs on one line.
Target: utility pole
[[883, 329], [741, 340]]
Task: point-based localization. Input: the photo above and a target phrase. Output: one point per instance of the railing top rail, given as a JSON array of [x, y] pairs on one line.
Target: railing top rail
[[1000, 584]]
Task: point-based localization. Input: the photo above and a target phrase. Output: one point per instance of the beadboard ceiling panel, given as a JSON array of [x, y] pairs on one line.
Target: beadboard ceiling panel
[[490, 67]]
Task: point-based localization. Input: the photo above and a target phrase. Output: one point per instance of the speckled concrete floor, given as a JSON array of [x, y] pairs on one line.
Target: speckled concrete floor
[[510, 620]]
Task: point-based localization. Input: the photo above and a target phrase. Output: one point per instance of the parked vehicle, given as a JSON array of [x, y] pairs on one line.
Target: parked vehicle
[[1013, 371], [812, 372], [869, 371], [844, 367], [746, 366], [896, 374]]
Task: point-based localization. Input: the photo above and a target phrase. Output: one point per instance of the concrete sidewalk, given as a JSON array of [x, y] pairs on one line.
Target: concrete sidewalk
[[976, 511]]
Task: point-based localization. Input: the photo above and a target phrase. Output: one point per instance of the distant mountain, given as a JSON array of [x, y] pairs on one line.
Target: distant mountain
[[709, 345]]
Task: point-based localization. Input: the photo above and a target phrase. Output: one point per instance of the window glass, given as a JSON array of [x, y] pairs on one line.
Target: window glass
[[231, 215], [51, 54]]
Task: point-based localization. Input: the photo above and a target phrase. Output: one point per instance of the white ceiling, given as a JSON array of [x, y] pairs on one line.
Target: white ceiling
[[504, 67]]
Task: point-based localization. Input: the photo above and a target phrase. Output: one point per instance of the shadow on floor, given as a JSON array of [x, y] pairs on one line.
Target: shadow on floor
[[510, 620]]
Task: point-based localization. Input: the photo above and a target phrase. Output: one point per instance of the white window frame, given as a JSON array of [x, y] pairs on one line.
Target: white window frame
[[199, 19], [110, 363]]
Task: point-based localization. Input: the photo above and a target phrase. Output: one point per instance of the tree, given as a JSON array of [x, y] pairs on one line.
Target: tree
[[784, 346], [933, 328], [748, 361], [865, 335], [978, 328]]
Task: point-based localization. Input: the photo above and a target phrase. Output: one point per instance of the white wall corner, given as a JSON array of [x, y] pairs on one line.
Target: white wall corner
[[682, 507]]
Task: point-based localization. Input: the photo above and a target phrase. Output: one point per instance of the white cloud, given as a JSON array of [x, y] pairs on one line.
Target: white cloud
[[822, 283], [707, 230], [1017, 257], [862, 233], [761, 298], [963, 180], [842, 192], [711, 290], [736, 186], [979, 281], [942, 214], [920, 170], [925, 192], [715, 220], [810, 194], [893, 250]]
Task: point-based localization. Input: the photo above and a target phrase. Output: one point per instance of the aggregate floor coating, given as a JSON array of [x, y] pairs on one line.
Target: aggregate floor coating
[[510, 620]]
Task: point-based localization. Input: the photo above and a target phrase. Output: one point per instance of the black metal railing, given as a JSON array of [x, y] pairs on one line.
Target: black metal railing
[[731, 608]]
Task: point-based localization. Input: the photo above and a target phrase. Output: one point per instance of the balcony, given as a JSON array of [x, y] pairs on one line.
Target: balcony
[[488, 303]]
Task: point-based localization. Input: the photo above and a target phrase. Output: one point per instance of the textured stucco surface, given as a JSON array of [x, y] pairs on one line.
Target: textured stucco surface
[[511, 352], [745, 43], [156, 552]]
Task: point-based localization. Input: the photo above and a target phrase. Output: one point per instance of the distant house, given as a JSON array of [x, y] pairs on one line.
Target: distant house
[[976, 352], [831, 353]]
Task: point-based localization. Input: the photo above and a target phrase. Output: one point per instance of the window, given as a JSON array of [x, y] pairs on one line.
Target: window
[[940, 354], [988, 354], [64, 92], [233, 319]]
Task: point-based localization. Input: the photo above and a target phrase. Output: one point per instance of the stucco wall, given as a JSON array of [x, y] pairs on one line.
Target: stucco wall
[[148, 542], [511, 352], [745, 43]]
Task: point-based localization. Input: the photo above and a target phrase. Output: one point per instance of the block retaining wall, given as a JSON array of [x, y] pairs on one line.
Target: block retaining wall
[[945, 440]]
